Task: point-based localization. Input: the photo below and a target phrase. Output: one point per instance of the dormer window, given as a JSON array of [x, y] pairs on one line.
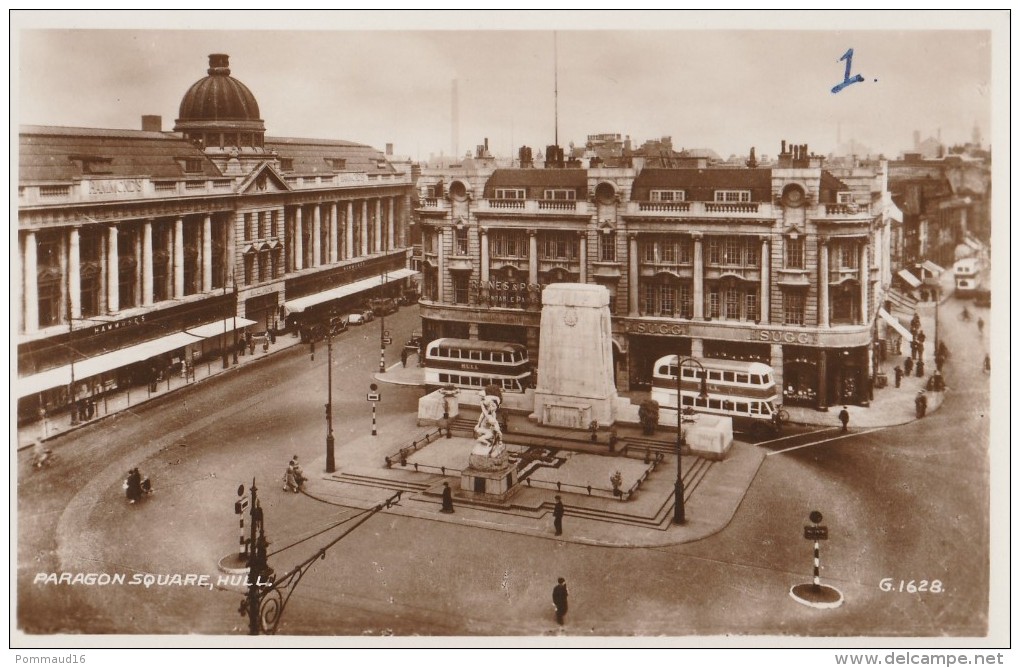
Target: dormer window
[[287, 164], [93, 164], [193, 166], [732, 195], [668, 195], [339, 164], [510, 193], [845, 197], [563, 194]]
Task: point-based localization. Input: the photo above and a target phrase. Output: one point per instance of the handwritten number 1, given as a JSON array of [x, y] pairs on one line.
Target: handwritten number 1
[[847, 79]]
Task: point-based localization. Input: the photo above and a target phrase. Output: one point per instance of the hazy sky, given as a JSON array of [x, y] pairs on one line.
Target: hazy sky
[[724, 90]]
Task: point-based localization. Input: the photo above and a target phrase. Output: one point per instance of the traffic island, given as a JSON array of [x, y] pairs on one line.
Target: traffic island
[[816, 596]]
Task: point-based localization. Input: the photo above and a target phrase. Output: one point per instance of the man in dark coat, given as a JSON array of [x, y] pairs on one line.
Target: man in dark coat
[[447, 499], [134, 486], [898, 373], [844, 417], [559, 597], [921, 404], [908, 365], [558, 517]]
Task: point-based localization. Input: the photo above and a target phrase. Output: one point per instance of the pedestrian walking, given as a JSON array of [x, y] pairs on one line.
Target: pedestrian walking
[[987, 364], [920, 368], [940, 359], [908, 365], [289, 479], [913, 348], [447, 499], [558, 516], [559, 596], [844, 417], [403, 357], [921, 404], [981, 325], [898, 373]]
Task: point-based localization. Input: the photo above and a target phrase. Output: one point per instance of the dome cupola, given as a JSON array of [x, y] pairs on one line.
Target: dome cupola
[[218, 111]]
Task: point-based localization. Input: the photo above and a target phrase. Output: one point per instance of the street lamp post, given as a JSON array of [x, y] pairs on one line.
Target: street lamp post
[[382, 329], [679, 514], [330, 442]]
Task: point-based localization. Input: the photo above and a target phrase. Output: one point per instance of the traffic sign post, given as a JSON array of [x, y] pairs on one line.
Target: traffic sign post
[[816, 595], [239, 507], [374, 397], [816, 533]]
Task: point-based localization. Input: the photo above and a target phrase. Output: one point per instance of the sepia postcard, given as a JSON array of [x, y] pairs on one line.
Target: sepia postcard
[[521, 329]]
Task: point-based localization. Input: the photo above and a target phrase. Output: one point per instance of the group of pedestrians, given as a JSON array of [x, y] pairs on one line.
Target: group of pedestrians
[[294, 478]]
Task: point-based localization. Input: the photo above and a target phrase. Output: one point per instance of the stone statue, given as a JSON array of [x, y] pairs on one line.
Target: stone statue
[[489, 452]]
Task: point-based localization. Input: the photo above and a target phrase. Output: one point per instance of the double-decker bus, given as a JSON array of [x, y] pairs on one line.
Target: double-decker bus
[[475, 364], [745, 391], [967, 272]]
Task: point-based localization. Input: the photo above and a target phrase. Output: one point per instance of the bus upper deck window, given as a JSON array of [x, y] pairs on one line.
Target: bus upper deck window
[[742, 378], [476, 355], [714, 375], [767, 379], [741, 407], [727, 376], [755, 379], [663, 370], [688, 372]]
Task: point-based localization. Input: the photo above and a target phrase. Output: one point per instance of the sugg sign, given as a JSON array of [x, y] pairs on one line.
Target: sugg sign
[[780, 336]]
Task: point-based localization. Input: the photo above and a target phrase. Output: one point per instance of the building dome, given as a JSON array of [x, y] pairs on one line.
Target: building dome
[[219, 110]]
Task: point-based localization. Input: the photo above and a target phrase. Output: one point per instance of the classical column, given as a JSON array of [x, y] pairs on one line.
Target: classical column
[[112, 271], [364, 227], [147, 263], [483, 244], [349, 231], [863, 267], [823, 283], [74, 271], [441, 271], [334, 237], [699, 279], [31, 323], [207, 253], [533, 257], [316, 235], [633, 272], [378, 226], [137, 296], [391, 242], [766, 266], [179, 258], [583, 244], [299, 240]]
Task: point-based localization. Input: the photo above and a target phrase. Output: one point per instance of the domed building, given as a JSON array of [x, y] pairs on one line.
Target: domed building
[[220, 115], [146, 251]]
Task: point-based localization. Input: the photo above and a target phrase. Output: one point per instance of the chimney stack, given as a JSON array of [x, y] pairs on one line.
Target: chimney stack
[[152, 123]]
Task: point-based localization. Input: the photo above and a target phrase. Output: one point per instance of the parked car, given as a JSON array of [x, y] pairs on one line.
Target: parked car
[[384, 306], [367, 315], [355, 318]]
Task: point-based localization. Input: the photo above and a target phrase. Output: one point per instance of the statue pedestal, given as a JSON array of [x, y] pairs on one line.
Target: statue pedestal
[[490, 485]]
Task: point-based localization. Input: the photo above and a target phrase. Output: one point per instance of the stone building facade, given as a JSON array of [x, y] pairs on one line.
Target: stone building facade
[[141, 249], [785, 264]]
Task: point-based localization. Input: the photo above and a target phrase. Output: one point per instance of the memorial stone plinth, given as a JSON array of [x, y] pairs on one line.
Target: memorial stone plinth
[[576, 382]]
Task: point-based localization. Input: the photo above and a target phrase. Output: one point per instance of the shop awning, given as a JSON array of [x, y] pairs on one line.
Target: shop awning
[[300, 304], [211, 329], [895, 324], [932, 268], [911, 280], [93, 366]]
